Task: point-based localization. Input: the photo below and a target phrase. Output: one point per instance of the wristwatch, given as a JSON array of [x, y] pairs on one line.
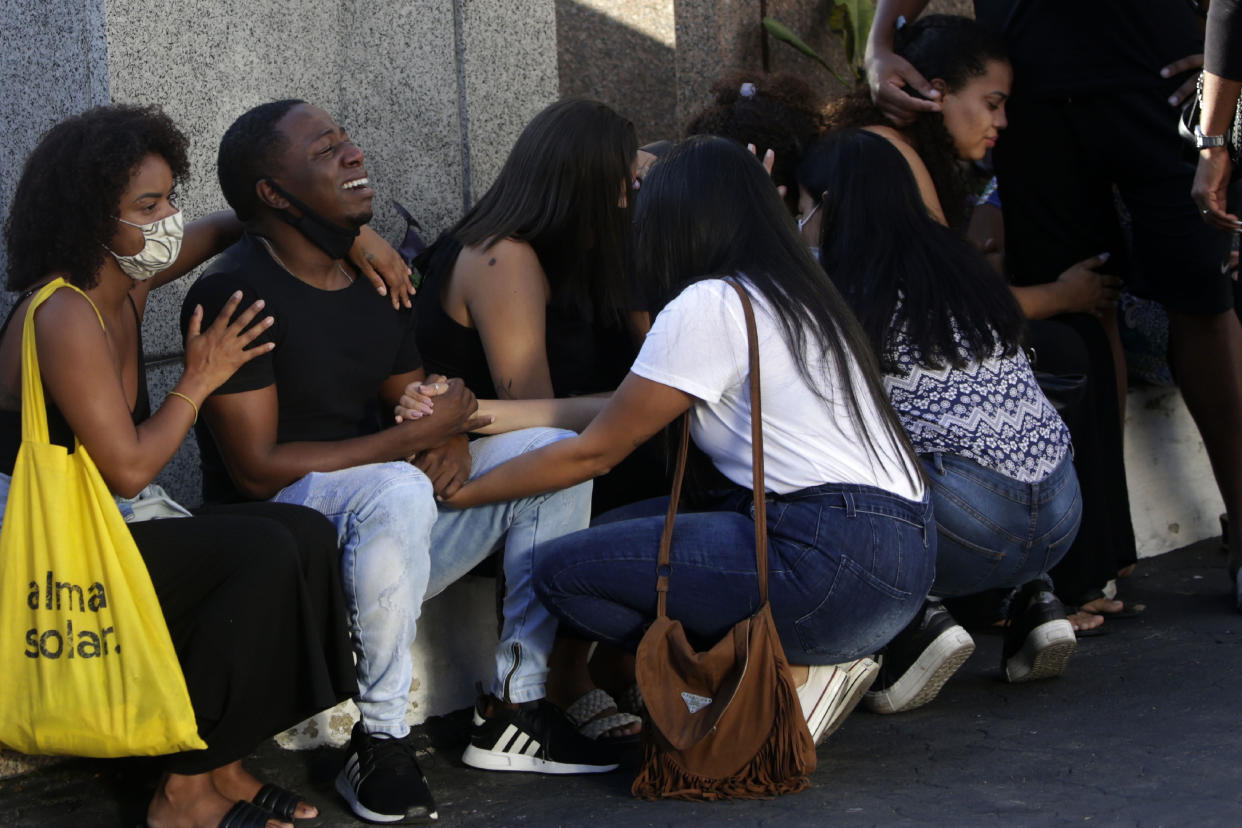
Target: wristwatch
[[1205, 141]]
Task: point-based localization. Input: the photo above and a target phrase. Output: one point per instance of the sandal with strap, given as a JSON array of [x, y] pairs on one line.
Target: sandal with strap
[[585, 715], [1127, 611], [278, 801], [245, 814], [631, 701]]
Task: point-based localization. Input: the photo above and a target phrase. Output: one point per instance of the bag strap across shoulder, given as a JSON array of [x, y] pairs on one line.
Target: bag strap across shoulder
[[757, 476], [34, 409]]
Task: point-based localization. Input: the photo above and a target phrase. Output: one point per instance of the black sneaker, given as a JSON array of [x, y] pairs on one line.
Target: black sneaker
[[536, 737], [382, 782], [1040, 640], [917, 663]]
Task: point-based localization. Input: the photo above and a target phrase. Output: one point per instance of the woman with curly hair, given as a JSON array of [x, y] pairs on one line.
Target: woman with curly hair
[[970, 68], [94, 214], [778, 114]]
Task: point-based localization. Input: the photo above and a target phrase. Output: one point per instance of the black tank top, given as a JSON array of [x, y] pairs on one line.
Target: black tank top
[[58, 428], [583, 357]]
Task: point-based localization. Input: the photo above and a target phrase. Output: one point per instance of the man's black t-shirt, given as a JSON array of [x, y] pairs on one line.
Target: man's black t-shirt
[[333, 351], [1074, 47]]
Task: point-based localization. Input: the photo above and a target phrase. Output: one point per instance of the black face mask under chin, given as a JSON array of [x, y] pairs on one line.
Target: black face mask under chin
[[328, 237]]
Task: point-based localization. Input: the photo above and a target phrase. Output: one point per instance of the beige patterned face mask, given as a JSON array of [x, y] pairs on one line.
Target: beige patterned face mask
[[162, 244]]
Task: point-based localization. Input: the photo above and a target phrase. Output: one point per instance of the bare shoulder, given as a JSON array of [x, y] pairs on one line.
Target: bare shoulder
[[927, 188], [894, 137], [507, 263], [67, 307], [67, 322]]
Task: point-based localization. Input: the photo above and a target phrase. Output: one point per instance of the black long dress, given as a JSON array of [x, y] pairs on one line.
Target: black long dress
[[1076, 344], [252, 597]]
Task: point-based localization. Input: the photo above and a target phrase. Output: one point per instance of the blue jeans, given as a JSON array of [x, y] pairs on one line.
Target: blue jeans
[[849, 568], [996, 531], [399, 548]]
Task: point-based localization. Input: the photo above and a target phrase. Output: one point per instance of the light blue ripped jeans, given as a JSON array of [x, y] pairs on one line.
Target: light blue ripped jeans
[[400, 548]]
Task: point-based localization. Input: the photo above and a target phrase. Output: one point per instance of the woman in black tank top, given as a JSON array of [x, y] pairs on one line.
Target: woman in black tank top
[[95, 208], [528, 296]]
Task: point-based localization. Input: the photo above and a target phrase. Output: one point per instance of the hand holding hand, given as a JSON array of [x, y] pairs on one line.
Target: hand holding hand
[[213, 355], [416, 400], [447, 465], [454, 408]]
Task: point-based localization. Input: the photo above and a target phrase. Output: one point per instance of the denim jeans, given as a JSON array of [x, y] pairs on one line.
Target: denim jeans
[[849, 566], [400, 548], [996, 531]]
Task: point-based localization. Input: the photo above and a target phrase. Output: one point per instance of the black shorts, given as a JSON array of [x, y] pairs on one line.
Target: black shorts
[[1057, 164]]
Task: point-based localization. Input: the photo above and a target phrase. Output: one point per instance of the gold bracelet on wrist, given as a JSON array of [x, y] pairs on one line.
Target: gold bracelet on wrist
[[193, 404]]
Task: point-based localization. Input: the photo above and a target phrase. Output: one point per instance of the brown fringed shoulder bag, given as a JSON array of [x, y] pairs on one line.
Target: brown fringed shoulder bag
[[725, 723]]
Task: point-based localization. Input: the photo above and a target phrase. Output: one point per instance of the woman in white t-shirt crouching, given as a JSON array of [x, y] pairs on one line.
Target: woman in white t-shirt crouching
[[850, 531]]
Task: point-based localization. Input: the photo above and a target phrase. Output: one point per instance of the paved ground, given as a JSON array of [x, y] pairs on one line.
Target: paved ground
[[1143, 730]]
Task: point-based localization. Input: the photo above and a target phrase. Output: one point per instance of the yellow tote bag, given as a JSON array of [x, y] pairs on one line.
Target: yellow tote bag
[[87, 667]]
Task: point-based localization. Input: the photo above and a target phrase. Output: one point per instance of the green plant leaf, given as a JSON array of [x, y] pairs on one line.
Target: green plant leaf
[[839, 25], [851, 21], [783, 33]]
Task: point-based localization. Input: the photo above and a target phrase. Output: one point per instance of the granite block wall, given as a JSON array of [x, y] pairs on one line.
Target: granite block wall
[[655, 60], [434, 93], [622, 53], [53, 63], [717, 37], [507, 73]]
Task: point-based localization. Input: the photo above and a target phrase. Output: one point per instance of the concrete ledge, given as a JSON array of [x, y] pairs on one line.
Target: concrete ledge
[[1173, 496], [1173, 500], [15, 764], [457, 636]]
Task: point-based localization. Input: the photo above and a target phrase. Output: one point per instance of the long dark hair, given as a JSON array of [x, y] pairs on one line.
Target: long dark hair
[[63, 213], [880, 246], [559, 191], [708, 210], [951, 48]]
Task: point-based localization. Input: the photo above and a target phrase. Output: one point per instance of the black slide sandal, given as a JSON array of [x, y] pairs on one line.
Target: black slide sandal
[[280, 802], [245, 815]]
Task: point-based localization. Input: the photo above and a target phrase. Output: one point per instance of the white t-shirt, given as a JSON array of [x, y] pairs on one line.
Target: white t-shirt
[[697, 344]]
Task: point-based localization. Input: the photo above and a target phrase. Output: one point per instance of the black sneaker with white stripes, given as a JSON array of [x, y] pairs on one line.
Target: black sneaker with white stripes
[[535, 737], [382, 781]]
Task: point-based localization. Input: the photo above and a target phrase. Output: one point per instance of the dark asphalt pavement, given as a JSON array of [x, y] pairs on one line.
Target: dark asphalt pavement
[[1143, 730]]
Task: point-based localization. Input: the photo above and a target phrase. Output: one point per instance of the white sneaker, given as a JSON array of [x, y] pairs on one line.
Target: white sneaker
[[831, 693]]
